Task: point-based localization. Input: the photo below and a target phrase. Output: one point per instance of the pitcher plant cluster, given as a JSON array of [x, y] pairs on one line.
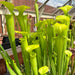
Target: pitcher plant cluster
[[47, 55]]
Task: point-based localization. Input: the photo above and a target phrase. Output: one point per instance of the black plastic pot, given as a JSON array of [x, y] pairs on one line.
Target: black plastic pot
[[6, 43]]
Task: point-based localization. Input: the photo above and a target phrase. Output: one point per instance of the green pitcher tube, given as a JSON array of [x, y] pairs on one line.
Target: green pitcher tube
[[10, 70], [20, 19], [25, 55], [33, 61], [11, 35], [36, 11]]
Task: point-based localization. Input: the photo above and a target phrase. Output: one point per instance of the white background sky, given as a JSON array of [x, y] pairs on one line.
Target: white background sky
[[55, 3]]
